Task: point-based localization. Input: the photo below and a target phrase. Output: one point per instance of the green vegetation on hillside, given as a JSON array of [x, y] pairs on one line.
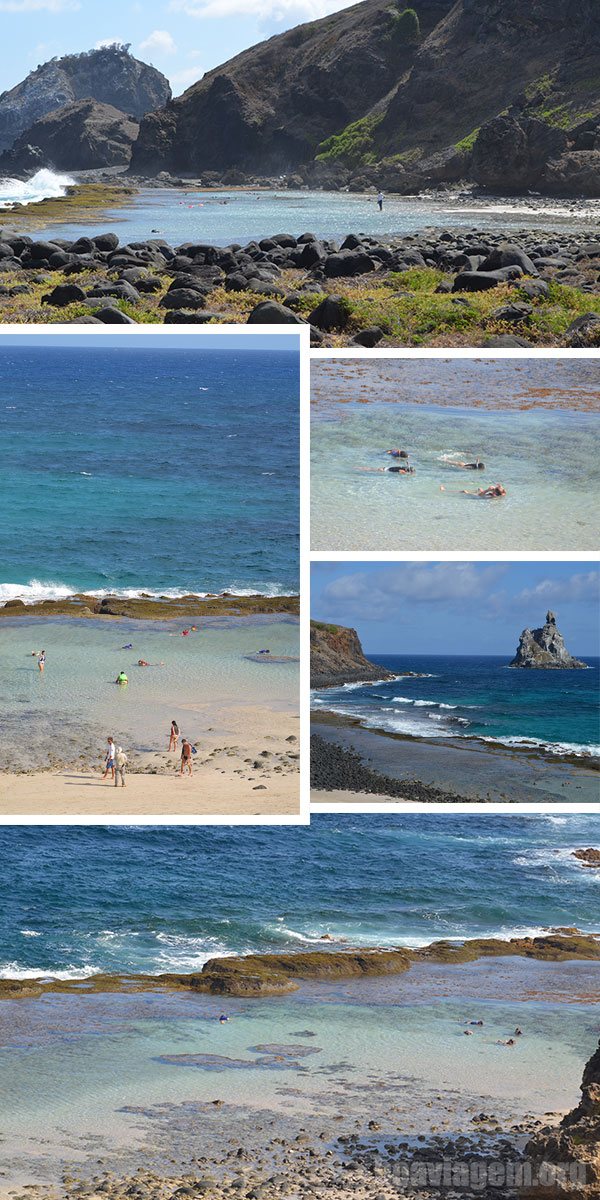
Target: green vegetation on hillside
[[405, 27], [354, 145]]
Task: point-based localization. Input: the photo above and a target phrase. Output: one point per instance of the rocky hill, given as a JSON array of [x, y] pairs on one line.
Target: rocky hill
[[110, 75], [80, 136], [503, 94], [545, 649], [336, 657]]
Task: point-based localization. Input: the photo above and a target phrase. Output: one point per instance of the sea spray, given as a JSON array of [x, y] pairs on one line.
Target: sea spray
[[44, 185]]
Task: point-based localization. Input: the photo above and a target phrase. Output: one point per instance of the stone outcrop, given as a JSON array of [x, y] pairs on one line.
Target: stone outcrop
[[81, 136], [544, 649], [490, 91], [569, 1156], [588, 858], [110, 75], [336, 657]]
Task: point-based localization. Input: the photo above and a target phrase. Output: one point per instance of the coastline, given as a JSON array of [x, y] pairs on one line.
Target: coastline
[[259, 975], [467, 770], [389, 289], [144, 607], [82, 200]]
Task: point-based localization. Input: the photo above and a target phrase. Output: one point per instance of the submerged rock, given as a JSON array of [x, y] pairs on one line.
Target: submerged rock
[[544, 649]]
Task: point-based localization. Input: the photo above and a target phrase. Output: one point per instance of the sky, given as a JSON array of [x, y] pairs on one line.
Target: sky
[[458, 608], [263, 342], [183, 38]]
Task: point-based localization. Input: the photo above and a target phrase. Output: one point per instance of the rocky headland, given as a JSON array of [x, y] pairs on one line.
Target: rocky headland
[[439, 287], [544, 649], [110, 75], [83, 135], [336, 657]]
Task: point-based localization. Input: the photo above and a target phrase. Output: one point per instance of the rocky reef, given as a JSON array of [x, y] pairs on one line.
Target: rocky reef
[[544, 649], [569, 1155], [80, 136], [489, 91], [588, 858], [109, 75], [336, 657], [272, 974], [149, 608]]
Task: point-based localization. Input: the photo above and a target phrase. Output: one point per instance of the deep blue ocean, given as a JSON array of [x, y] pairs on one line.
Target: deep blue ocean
[[469, 696], [76, 900], [148, 470]]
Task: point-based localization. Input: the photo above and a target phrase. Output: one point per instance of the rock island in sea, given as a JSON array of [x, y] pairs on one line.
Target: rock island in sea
[[435, 725]]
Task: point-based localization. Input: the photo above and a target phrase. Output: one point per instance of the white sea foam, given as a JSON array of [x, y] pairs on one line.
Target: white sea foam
[[37, 590], [44, 185], [30, 933], [12, 970], [559, 748]]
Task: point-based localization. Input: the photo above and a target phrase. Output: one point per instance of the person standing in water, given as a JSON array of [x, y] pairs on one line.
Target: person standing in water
[[121, 761], [380, 201], [186, 757], [174, 736], [41, 660], [109, 761]]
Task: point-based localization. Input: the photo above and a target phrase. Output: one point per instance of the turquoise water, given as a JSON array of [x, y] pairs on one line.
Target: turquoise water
[[75, 901], [69, 710], [539, 436], [223, 217], [94, 1075], [466, 696], [143, 469]]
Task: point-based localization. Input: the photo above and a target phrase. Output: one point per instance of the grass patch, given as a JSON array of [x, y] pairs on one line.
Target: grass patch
[[90, 198], [466, 144]]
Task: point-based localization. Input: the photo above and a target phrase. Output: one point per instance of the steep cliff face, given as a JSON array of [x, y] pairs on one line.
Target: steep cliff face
[[270, 107], [545, 649], [570, 1154], [110, 75], [491, 90], [336, 657], [74, 138]]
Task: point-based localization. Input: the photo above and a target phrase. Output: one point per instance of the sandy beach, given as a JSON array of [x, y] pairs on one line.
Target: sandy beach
[[250, 769]]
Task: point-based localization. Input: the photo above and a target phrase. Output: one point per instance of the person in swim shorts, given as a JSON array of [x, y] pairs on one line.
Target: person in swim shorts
[[109, 760], [186, 757]]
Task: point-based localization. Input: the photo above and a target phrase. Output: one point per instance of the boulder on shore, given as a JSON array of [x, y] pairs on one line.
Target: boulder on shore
[[544, 649], [568, 1157]]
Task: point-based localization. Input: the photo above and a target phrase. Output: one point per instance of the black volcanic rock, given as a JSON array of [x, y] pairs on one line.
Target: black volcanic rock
[[544, 649], [109, 75], [81, 136]]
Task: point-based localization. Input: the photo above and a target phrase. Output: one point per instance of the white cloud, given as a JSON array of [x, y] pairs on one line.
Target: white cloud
[[22, 6], [581, 587], [180, 80], [379, 595], [286, 12], [159, 41]]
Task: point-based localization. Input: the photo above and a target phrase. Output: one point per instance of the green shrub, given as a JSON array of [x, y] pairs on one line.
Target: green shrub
[[405, 26], [354, 145]]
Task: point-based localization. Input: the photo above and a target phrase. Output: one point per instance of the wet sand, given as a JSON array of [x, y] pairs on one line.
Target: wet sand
[[251, 767], [473, 772]]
